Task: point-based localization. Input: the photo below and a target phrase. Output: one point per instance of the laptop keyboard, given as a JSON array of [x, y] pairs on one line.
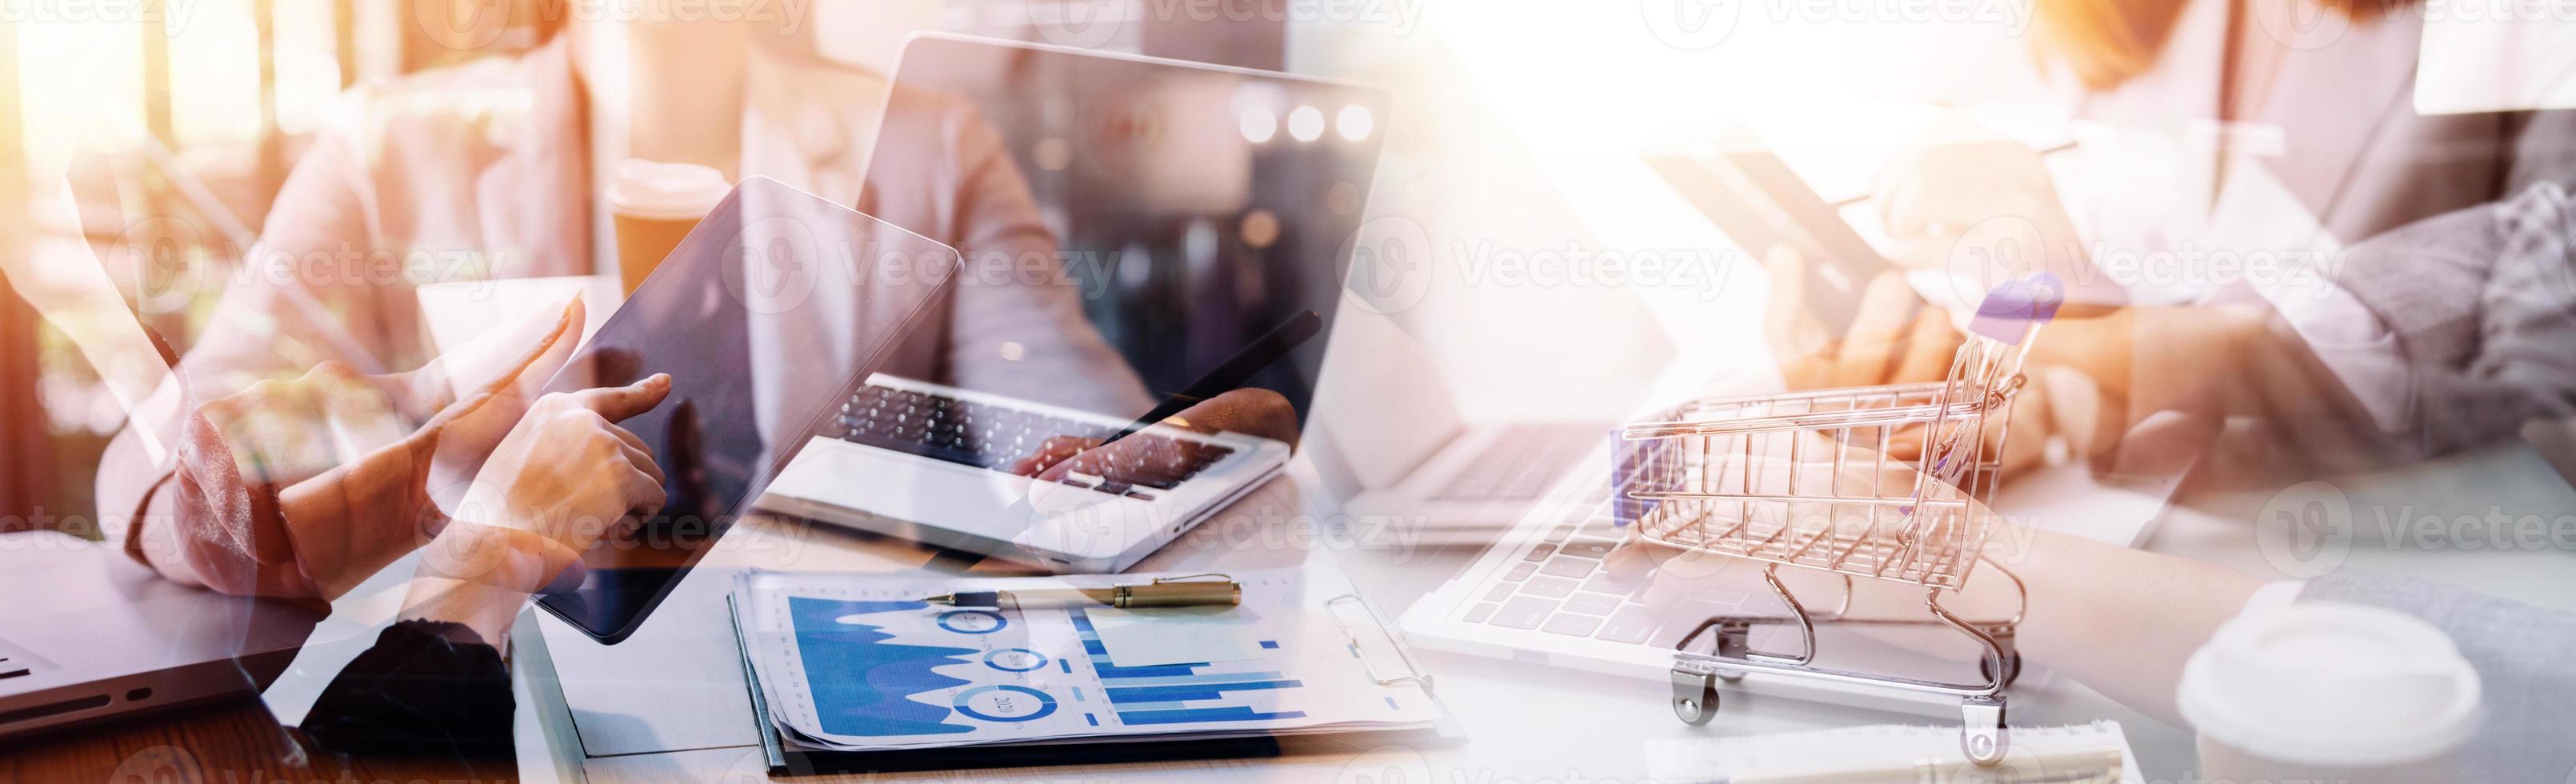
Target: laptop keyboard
[[1562, 585], [1522, 462], [994, 436]]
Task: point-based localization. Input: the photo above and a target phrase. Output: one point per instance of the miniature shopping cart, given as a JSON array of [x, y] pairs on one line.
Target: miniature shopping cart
[[1821, 480]]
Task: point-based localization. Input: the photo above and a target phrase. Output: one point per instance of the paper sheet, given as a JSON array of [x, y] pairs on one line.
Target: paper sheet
[[1176, 635], [852, 662], [1924, 753]]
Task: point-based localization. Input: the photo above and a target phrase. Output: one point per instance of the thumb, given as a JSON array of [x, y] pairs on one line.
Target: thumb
[[617, 404]]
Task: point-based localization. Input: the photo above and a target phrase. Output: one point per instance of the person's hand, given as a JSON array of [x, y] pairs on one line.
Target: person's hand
[[566, 476], [1966, 199], [483, 388], [1253, 412], [1883, 346]]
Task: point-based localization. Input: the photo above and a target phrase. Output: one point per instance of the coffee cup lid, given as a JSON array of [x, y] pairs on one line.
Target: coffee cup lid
[[650, 189], [2325, 683]]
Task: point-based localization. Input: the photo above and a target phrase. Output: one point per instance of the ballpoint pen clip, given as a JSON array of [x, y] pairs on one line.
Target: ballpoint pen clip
[[1220, 576]]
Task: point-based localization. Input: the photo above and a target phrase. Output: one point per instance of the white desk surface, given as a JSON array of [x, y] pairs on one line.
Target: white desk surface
[[1522, 722], [677, 684]]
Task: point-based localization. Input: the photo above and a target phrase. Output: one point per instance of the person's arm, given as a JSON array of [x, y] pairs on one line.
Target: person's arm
[[239, 518], [436, 682], [1017, 326], [2477, 308]]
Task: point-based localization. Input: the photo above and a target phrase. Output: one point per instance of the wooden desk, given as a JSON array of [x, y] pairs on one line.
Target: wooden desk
[[225, 742]]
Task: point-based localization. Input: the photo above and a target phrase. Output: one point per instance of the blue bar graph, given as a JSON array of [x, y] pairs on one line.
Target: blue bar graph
[[1181, 693]]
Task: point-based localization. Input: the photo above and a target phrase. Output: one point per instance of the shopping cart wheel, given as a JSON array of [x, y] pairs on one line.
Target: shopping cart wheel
[[2012, 667], [1694, 696]]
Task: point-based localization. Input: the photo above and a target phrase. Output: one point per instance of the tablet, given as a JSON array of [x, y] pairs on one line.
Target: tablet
[[775, 308]]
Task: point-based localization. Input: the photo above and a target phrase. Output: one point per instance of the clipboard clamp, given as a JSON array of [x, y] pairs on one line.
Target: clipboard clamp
[[1413, 673]]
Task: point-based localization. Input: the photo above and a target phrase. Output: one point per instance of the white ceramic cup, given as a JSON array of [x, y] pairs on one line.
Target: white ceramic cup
[[2325, 691]]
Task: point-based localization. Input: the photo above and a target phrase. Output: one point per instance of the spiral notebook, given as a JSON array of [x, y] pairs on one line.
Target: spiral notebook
[[2096, 753], [854, 672]]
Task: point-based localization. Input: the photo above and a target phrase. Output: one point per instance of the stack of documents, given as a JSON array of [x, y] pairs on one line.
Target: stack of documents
[[854, 663]]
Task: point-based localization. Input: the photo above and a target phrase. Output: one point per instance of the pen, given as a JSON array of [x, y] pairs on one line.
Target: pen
[[1191, 591]]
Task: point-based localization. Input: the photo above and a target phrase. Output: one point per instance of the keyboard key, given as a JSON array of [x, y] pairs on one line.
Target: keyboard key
[[1541, 552], [1140, 495], [1548, 586], [1569, 566], [1524, 612], [1500, 592], [1591, 603], [1610, 583], [1479, 613], [1560, 534], [1630, 624], [1572, 625], [1521, 571], [1589, 547]]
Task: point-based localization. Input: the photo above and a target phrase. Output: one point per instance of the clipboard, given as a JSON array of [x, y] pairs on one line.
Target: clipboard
[[786, 757]]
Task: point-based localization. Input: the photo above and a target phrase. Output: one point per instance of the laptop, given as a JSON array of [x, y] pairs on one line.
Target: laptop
[[1549, 593], [1405, 453], [1202, 211], [88, 633], [93, 635]]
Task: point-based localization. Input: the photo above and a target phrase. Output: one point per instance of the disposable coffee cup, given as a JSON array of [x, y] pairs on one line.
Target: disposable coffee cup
[[652, 205], [2329, 692]]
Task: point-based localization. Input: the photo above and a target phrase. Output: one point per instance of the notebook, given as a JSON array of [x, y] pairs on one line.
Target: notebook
[[856, 672], [2096, 752]]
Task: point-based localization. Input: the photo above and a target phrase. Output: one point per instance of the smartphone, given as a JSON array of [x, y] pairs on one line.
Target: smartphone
[[1758, 202]]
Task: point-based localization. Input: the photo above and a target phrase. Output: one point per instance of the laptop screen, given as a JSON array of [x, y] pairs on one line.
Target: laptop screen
[[1186, 210]]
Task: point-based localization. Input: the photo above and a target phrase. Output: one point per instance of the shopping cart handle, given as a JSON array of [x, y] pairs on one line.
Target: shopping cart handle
[[2011, 309]]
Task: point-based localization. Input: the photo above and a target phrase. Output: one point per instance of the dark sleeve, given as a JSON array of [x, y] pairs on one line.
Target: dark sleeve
[[2520, 652], [2482, 303], [427, 689]]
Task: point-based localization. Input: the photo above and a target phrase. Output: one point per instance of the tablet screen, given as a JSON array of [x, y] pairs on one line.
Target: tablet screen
[[772, 310]]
